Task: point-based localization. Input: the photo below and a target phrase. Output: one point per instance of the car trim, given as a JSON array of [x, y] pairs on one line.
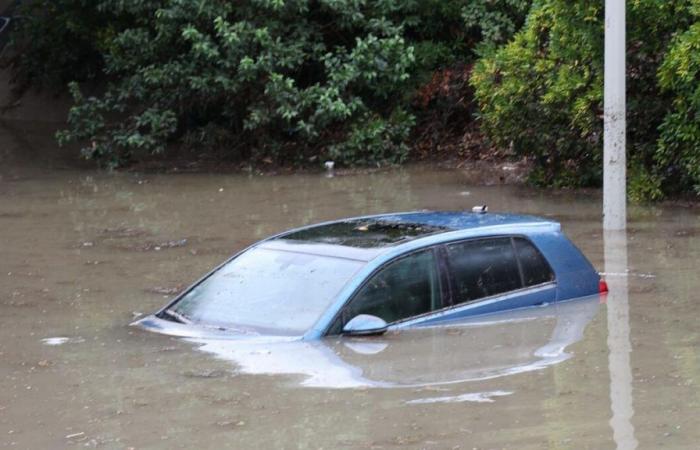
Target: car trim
[[468, 305], [444, 273], [277, 248]]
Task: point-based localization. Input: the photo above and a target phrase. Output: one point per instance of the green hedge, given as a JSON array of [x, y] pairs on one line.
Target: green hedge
[[678, 155], [295, 80], [541, 94]]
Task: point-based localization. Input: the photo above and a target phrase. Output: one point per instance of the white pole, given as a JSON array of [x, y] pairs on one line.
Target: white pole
[[614, 158]]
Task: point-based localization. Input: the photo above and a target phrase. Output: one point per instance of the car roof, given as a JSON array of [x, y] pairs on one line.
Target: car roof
[[364, 238]]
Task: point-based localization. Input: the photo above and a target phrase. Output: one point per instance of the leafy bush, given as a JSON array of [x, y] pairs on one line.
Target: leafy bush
[[678, 152], [268, 71], [542, 93], [539, 94], [374, 140], [495, 20], [56, 42], [281, 78]]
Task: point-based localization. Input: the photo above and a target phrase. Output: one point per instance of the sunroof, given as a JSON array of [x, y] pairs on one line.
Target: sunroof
[[364, 233]]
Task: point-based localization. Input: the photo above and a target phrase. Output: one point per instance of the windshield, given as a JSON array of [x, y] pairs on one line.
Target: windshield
[[263, 290]]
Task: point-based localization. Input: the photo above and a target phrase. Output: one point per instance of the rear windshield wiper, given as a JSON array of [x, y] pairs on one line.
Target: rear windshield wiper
[[173, 316]]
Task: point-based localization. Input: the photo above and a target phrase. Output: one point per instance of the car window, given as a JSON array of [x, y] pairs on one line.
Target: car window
[[482, 267], [535, 268], [405, 288]]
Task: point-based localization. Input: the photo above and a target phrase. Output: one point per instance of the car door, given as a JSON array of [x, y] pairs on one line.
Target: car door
[[494, 274], [408, 287]]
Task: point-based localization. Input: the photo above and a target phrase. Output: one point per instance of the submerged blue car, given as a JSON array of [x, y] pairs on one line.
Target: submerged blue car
[[367, 275]]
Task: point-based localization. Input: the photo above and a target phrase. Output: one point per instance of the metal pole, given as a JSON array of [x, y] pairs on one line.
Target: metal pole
[[614, 158]]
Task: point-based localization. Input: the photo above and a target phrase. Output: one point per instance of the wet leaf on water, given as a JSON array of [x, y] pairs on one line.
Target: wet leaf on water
[[164, 290], [205, 373], [76, 436], [123, 232], [230, 423], [154, 246]]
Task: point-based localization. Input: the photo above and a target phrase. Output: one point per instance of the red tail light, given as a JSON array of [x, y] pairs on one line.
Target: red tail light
[[602, 287]]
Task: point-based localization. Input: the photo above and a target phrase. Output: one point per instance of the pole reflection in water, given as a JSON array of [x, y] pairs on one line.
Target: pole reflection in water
[[619, 339]]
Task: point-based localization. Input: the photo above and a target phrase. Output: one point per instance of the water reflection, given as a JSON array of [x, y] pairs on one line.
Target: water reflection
[[479, 348], [616, 270]]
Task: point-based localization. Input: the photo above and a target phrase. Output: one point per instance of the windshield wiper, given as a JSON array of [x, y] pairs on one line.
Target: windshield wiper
[[173, 316]]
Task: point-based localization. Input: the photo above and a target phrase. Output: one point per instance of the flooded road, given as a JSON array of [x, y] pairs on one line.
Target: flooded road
[[84, 253]]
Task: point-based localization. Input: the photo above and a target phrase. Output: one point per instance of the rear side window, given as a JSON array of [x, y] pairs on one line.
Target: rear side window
[[482, 268], [535, 268], [405, 288]]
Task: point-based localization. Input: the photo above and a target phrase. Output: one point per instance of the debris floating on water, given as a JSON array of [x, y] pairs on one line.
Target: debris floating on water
[[75, 435], [627, 274], [62, 340], [329, 165], [163, 290], [477, 397]]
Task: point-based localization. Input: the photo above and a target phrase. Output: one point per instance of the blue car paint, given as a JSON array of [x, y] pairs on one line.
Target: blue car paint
[[535, 296], [574, 275]]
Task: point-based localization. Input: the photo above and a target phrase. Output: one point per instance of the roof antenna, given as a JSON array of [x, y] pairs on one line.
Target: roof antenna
[[480, 209]]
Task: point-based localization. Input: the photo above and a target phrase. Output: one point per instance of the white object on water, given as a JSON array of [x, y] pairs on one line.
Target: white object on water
[[62, 340], [329, 165], [477, 397]]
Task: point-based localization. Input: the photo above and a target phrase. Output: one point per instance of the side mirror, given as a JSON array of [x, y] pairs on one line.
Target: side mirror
[[365, 325]]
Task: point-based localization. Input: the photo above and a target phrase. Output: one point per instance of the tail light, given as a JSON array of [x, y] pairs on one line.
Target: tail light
[[602, 287]]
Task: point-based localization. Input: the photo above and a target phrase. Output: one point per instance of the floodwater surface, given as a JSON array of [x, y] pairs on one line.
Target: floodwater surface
[[84, 253]]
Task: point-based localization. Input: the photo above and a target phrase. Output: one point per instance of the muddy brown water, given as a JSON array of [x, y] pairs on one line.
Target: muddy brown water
[[84, 252]]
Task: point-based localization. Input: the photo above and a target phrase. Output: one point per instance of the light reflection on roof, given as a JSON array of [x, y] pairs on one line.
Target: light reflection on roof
[[376, 232], [364, 233]]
